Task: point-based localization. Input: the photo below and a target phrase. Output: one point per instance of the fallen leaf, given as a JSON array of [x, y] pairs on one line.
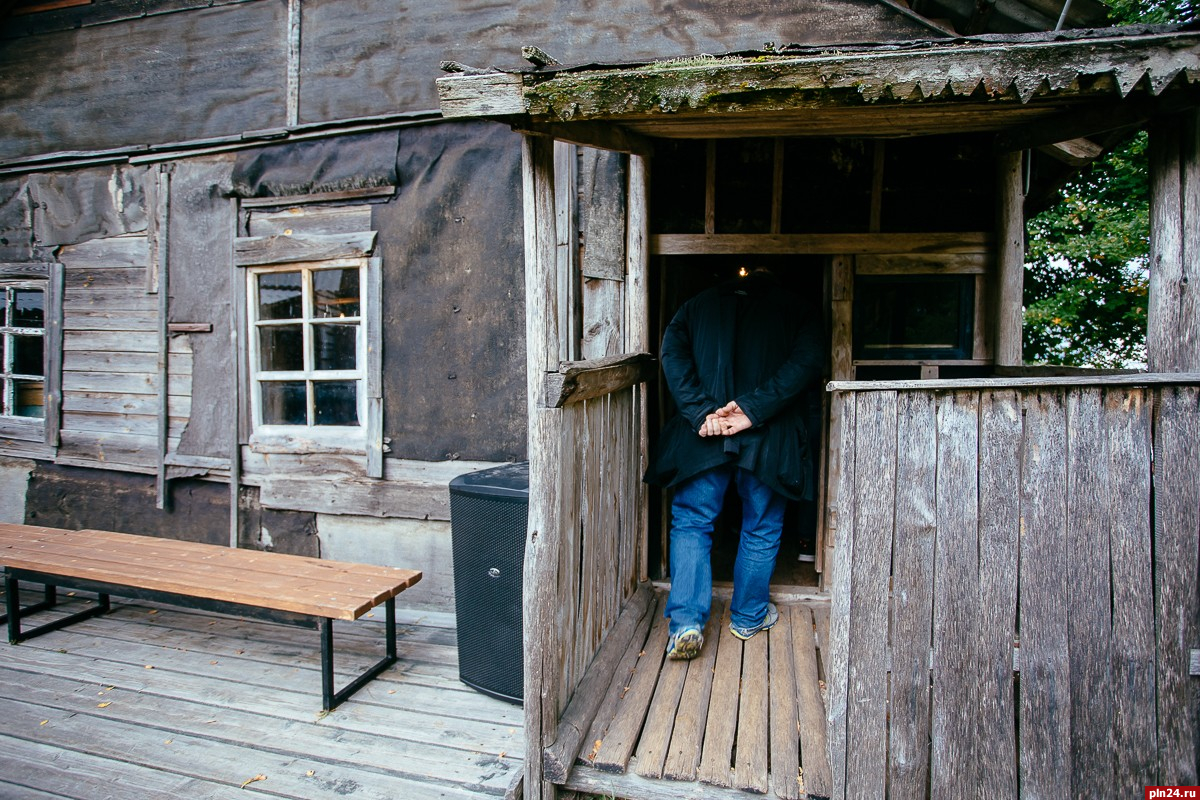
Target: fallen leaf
[[310, 773], [168, 741], [502, 754], [595, 750], [391, 691], [152, 611], [105, 704], [252, 780], [149, 666], [70, 594], [43, 722]]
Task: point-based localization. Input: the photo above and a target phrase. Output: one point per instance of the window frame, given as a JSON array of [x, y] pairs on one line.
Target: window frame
[[8, 376], [38, 437], [339, 437]]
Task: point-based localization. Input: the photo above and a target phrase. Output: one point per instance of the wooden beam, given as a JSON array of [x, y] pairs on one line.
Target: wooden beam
[[583, 380], [819, 243], [493, 94], [590, 134], [1074, 152], [992, 384], [1010, 257], [263, 250]]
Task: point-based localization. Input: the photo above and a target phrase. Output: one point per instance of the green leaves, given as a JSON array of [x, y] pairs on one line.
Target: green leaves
[[1086, 275]]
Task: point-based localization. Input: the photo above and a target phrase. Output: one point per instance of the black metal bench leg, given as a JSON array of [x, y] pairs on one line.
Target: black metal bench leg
[[331, 699], [13, 611]]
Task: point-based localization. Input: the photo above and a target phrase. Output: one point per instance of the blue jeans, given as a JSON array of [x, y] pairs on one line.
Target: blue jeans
[[694, 510]]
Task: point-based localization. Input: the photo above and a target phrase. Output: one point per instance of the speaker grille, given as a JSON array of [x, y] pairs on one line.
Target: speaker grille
[[488, 536]]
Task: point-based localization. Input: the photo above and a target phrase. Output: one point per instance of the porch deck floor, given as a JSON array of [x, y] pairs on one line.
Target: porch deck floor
[[157, 702], [741, 717]]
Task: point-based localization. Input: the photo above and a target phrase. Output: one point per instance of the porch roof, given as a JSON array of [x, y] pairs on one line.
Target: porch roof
[[1042, 87]]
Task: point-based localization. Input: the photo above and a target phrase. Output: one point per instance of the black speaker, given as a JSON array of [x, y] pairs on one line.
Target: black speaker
[[489, 513]]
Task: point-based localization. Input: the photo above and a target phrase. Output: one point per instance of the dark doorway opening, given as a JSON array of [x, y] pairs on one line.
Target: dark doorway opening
[[680, 278]]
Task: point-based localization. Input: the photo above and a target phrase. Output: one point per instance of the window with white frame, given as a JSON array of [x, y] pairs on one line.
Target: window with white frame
[[22, 349], [307, 348]]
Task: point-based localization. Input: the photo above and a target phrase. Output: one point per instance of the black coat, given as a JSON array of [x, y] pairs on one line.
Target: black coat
[[750, 341]]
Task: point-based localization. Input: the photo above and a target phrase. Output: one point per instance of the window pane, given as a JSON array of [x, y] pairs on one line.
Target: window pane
[[281, 348], [284, 403], [27, 355], [280, 295], [335, 293], [28, 308], [29, 398], [335, 346], [336, 402]]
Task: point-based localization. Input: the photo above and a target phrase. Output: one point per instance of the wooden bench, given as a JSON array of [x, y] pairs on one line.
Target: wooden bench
[[311, 592]]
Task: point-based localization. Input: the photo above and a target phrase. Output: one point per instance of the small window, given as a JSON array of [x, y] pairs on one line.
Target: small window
[[22, 349], [914, 317], [308, 344]]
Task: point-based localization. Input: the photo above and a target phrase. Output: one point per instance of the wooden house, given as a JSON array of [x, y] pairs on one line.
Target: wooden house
[[267, 284], [1010, 554]]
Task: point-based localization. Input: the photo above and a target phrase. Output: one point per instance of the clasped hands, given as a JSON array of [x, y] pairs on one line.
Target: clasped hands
[[726, 421]]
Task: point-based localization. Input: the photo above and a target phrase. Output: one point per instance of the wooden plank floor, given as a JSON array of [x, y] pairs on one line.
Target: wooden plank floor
[[742, 717], [158, 702]]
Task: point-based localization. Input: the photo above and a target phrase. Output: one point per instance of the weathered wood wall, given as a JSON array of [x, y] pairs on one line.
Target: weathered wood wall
[[252, 65], [1014, 591], [110, 372]]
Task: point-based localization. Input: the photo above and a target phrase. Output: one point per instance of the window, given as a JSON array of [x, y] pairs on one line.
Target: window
[[307, 347], [909, 317], [22, 349]]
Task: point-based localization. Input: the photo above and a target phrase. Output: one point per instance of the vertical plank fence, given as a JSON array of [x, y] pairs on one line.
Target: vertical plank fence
[[1015, 590]]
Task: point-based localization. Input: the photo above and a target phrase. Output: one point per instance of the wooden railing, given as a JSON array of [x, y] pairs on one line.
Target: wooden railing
[[1014, 589]]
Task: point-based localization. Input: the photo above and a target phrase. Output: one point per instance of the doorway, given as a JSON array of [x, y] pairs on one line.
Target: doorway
[[679, 278]]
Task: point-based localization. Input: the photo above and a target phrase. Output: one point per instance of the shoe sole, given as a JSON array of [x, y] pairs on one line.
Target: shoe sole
[[687, 646]]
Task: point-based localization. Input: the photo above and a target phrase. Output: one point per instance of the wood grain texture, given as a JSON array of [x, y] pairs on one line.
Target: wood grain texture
[[1045, 697], [955, 697], [683, 759], [784, 712], [999, 524], [1089, 624], [912, 594], [1176, 523], [589, 695], [1010, 257], [1126, 421], [720, 730], [814, 743], [750, 766], [282, 249], [337, 590], [841, 533], [622, 734], [874, 517]]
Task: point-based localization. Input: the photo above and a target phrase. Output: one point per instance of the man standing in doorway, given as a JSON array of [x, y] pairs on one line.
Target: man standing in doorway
[[738, 360]]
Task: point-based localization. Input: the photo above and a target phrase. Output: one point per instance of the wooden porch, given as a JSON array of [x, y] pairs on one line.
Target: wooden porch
[[159, 702], [741, 717]]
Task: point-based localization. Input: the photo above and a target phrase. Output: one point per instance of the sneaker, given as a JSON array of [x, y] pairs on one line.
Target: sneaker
[[685, 644], [768, 622]]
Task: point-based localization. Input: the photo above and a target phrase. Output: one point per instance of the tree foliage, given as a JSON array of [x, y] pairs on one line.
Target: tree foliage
[[1086, 262], [1086, 267]]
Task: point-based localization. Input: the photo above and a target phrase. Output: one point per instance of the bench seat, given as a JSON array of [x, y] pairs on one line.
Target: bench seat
[[295, 589]]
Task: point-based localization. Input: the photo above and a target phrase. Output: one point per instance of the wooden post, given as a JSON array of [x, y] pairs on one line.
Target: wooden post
[[637, 326], [1010, 259], [1173, 307], [162, 223], [540, 576]]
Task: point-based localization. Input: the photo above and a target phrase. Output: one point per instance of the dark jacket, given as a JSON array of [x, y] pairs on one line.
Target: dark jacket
[[751, 341]]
